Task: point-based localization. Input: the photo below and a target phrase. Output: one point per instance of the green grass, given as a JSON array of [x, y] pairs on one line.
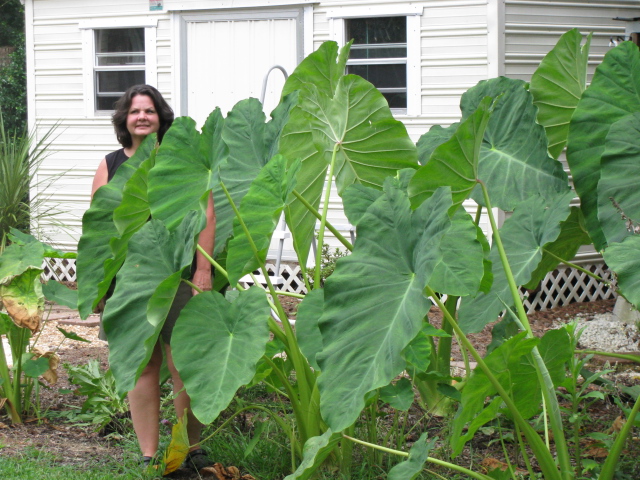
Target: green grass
[[34, 464]]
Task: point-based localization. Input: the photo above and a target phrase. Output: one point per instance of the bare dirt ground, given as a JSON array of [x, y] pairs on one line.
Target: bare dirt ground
[[81, 446]]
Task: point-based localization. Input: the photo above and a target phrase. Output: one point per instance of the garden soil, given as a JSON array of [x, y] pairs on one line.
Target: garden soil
[[81, 446]]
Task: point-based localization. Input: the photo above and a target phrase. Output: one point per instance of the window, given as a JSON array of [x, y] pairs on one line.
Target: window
[[379, 54], [119, 63]]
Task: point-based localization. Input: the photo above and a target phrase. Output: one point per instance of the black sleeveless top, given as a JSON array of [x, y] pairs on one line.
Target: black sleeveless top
[[114, 160]]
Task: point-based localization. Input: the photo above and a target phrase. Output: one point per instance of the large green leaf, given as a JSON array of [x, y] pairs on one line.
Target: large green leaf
[[21, 238], [461, 268], [557, 85], [612, 95], [431, 140], [133, 317], [315, 451], [533, 225], [251, 143], [23, 300], [322, 68], [375, 302], [514, 162], [413, 466], [98, 229], [555, 350], [624, 260], [134, 210], [369, 145], [307, 330], [260, 211], [455, 162], [216, 346], [504, 362], [61, 294], [186, 169], [573, 235], [17, 259], [618, 194]]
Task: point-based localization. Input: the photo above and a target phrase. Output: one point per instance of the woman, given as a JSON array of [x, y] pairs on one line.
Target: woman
[[138, 113]]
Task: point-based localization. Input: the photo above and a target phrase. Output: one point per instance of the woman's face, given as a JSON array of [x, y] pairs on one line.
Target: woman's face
[[142, 118]]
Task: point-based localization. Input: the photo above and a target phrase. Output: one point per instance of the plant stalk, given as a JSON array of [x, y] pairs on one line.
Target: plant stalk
[[548, 389], [347, 244], [323, 220], [435, 461], [546, 460]]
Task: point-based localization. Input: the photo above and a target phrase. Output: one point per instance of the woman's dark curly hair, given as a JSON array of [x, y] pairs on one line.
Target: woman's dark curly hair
[[119, 117]]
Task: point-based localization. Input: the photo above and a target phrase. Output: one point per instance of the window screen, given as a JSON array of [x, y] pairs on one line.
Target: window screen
[[119, 63], [379, 54]]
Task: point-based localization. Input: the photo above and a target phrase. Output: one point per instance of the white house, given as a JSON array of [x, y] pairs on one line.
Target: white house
[[206, 53]]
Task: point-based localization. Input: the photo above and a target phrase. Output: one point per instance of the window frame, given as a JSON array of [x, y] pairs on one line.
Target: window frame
[[89, 29], [338, 17]]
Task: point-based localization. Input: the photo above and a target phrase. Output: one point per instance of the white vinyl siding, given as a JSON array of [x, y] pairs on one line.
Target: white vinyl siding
[[532, 28]]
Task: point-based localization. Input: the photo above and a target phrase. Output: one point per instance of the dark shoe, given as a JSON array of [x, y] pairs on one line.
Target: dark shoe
[[197, 460], [150, 464]]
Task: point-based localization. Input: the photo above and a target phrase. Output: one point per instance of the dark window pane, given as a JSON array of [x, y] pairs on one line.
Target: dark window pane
[[106, 102], [116, 40], [396, 100], [110, 60], [377, 30], [379, 52], [117, 82], [382, 76]]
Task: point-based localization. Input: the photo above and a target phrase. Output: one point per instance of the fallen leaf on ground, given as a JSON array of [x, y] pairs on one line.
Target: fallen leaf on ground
[[220, 472]]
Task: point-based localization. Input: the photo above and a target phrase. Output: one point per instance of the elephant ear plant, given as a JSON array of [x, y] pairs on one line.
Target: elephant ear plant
[[415, 246], [22, 298]]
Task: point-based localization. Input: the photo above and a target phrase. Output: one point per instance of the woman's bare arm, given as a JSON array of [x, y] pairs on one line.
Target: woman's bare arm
[[100, 178], [202, 276]]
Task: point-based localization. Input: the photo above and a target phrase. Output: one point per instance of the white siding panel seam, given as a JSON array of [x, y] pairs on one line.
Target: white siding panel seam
[[438, 91], [67, 19], [556, 32], [57, 97], [47, 71], [57, 46], [543, 28], [456, 29], [457, 62], [455, 3], [631, 4]]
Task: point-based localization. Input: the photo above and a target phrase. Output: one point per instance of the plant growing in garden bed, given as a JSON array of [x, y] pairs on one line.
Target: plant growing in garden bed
[[22, 298], [415, 245]]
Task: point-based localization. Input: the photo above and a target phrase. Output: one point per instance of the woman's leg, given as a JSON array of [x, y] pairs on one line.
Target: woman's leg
[[144, 402], [182, 402]]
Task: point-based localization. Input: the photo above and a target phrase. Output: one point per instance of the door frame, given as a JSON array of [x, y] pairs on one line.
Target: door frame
[[303, 14]]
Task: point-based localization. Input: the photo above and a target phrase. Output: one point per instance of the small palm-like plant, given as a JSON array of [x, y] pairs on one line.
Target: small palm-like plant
[[20, 157]]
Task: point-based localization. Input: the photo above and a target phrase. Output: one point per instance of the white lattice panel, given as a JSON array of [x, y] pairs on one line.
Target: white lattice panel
[[560, 287], [567, 285], [290, 279], [61, 269]]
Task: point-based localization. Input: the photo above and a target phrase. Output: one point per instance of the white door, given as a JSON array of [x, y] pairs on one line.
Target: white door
[[229, 54]]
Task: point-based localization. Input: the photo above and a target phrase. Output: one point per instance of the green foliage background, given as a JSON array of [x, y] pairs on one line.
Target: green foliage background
[[13, 78]]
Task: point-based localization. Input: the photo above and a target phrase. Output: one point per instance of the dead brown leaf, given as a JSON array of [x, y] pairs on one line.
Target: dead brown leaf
[[220, 472], [51, 375], [595, 451], [617, 425], [21, 315], [492, 463]]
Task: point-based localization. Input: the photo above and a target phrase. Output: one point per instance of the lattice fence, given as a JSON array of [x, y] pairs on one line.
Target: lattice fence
[[568, 285], [560, 287], [61, 269]]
